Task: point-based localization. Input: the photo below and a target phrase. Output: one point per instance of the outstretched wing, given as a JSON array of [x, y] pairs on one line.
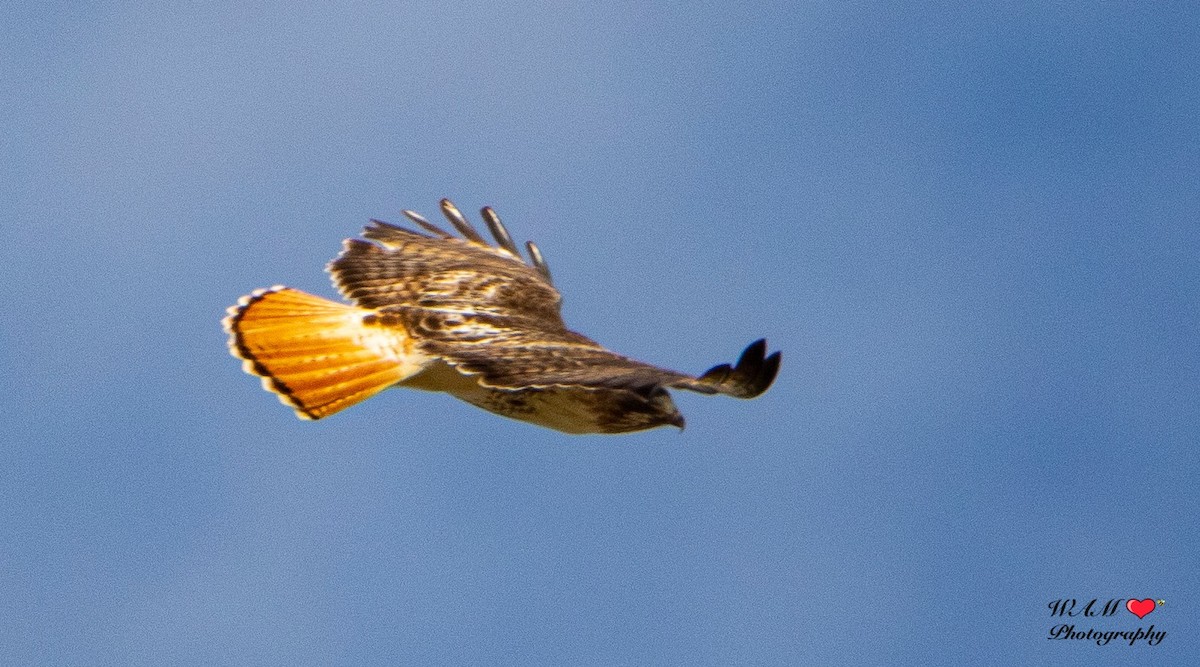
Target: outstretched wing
[[516, 358], [485, 311], [436, 270]]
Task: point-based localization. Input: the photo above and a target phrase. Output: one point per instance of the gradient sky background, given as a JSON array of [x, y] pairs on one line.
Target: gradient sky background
[[972, 231]]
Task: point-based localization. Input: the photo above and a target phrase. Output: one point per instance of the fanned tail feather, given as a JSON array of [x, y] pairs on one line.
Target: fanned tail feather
[[316, 355]]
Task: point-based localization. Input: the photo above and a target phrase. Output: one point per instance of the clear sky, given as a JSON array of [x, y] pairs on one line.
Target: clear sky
[[973, 231]]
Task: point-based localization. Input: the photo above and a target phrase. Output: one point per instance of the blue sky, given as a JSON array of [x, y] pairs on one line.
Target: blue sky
[[972, 231]]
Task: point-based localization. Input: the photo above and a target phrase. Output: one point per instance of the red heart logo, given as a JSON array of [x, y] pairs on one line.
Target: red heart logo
[[1140, 608]]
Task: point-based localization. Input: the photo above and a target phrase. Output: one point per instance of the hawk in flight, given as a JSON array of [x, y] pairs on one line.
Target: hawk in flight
[[437, 312]]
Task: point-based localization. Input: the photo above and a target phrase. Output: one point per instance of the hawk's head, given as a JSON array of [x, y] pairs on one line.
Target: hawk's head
[[639, 409]]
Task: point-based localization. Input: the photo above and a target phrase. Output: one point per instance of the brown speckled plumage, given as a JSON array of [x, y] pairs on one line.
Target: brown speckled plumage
[[461, 316]]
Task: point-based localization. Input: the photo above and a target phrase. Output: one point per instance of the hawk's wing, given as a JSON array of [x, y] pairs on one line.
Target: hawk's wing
[[488, 313], [438, 271], [522, 359]]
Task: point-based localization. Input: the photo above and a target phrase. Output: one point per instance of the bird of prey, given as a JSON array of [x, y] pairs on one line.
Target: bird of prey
[[437, 312]]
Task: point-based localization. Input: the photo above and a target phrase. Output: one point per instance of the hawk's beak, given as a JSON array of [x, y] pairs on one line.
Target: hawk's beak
[[678, 421]]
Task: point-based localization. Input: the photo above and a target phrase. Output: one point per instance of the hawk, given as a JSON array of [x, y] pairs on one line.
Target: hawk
[[437, 312]]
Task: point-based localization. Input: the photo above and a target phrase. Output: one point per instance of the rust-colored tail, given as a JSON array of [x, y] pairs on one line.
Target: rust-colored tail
[[318, 356]]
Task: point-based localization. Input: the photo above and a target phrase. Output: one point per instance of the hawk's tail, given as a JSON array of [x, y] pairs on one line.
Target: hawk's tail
[[318, 356]]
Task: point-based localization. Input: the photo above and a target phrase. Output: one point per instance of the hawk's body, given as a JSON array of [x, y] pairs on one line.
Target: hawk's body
[[440, 313]]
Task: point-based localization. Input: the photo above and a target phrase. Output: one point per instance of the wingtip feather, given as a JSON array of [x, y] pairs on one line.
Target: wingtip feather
[[750, 376], [460, 222], [503, 239]]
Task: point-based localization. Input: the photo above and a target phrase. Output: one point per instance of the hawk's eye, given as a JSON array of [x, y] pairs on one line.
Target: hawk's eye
[[651, 391]]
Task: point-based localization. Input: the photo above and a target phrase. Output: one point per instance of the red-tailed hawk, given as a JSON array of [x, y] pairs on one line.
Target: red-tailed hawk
[[441, 313]]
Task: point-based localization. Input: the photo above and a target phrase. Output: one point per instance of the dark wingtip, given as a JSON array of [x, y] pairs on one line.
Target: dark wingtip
[[378, 226], [749, 365], [379, 230], [499, 232], [717, 374], [756, 349], [460, 222], [753, 373], [539, 262], [770, 369], [426, 225]]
